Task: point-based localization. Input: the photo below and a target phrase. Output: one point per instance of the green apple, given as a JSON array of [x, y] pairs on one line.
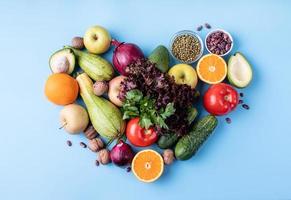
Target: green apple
[[184, 74], [97, 40]]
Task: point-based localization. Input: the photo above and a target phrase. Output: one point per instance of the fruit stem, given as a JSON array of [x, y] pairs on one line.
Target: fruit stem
[[64, 124]]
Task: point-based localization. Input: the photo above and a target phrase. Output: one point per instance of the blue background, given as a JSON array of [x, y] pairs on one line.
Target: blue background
[[248, 159]]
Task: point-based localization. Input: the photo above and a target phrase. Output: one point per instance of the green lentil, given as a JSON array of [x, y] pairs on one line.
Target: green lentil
[[186, 48]]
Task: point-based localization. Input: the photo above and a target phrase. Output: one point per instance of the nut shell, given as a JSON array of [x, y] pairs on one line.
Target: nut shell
[[168, 156], [100, 87], [95, 144], [78, 43], [90, 132], [104, 156]]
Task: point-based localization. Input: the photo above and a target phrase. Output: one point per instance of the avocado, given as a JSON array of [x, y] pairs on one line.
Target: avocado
[[239, 71], [62, 61], [160, 56]]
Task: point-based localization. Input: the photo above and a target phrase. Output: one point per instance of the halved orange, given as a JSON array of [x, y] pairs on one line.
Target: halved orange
[[211, 69], [147, 165]]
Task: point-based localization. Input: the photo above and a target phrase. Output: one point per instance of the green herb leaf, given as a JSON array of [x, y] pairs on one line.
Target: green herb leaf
[[161, 122], [144, 106], [134, 95], [129, 114], [145, 122], [168, 111]]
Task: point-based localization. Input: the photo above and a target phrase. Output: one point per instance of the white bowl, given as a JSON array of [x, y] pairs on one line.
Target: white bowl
[[223, 32]]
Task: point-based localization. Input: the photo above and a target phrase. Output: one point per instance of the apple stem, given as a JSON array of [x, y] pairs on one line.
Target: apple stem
[[64, 124]]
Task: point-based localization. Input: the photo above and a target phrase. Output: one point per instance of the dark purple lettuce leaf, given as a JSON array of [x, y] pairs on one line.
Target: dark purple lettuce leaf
[[143, 75]]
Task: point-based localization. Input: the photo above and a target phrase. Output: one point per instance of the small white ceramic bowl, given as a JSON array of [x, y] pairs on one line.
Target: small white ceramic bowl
[[229, 35], [187, 32]]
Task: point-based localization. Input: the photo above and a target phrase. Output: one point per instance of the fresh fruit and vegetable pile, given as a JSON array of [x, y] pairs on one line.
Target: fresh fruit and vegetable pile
[[140, 101]]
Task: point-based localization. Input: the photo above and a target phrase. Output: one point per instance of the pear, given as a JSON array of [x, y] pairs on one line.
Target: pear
[[74, 118]]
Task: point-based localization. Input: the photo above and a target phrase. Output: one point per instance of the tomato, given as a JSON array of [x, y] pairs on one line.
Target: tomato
[[220, 99], [139, 136]]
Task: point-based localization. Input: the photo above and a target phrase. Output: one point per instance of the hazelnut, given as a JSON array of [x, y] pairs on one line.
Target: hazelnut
[[100, 87], [104, 156], [168, 156], [78, 43], [90, 132], [95, 144]]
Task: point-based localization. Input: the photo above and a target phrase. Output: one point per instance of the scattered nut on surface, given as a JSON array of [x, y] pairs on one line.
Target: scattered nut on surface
[[90, 132], [95, 144], [168, 156], [104, 156], [78, 43], [100, 87]]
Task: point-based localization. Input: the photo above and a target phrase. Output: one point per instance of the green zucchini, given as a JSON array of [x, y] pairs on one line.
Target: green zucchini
[[169, 139], [95, 66], [188, 145]]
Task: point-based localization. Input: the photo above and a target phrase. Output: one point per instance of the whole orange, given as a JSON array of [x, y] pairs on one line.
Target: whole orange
[[61, 89]]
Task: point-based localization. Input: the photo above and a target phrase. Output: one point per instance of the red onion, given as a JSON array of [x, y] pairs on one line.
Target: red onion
[[121, 154], [124, 54]]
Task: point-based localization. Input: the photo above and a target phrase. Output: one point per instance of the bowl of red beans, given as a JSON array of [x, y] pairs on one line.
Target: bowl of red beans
[[219, 42]]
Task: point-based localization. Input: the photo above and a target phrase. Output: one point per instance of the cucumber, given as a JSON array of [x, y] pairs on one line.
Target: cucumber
[[188, 145], [192, 114], [95, 66], [169, 139]]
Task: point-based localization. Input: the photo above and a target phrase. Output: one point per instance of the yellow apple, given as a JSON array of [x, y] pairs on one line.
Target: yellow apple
[[114, 87], [74, 118], [184, 74], [97, 40]]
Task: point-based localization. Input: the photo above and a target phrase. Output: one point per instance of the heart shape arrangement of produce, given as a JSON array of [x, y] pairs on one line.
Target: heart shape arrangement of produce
[[148, 102]]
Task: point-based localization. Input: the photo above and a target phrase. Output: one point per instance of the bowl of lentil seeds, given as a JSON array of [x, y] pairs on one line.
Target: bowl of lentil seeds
[[186, 46]]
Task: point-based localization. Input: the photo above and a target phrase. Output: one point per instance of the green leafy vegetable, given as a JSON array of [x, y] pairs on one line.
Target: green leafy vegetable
[[137, 105]]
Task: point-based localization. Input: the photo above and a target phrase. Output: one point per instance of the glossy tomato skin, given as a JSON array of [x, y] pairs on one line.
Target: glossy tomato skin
[[220, 99], [139, 136]]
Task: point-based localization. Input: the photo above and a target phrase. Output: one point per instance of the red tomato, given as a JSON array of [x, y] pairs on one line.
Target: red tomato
[[139, 136], [220, 99]]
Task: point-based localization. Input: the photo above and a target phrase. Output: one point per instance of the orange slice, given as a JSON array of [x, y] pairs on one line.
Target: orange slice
[[211, 69], [147, 165]]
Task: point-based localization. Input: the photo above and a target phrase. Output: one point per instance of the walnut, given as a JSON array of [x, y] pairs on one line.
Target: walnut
[[90, 132], [104, 156], [168, 156], [95, 144]]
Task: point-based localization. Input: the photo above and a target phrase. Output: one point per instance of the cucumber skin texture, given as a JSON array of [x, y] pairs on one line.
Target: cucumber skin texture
[[95, 66], [169, 139], [189, 144]]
